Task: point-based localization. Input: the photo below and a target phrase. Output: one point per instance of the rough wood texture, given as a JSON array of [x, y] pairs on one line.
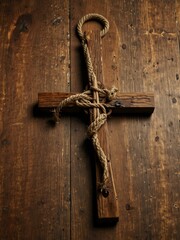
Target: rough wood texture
[[135, 56], [34, 160], [45, 173], [107, 205], [123, 103]]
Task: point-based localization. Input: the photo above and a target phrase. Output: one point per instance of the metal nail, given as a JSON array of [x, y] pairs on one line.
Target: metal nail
[[118, 104]]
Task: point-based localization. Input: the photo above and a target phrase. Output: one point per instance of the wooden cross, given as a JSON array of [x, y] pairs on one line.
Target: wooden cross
[[141, 103]]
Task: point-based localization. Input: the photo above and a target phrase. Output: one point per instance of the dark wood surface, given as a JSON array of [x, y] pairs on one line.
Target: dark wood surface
[[34, 160], [122, 103], [45, 172], [106, 199]]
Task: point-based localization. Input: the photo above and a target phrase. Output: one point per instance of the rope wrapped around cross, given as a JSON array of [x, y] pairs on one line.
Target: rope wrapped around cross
[[86, 99]]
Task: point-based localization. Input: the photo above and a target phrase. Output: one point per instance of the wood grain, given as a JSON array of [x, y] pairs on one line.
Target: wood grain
[[34, 159], [107, 205], [123, 103], [45, 172], [135, 56]]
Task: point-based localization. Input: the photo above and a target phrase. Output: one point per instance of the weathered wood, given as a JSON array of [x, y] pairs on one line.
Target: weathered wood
[[34, 175], [107, 203], [140, 54], [123, 103]]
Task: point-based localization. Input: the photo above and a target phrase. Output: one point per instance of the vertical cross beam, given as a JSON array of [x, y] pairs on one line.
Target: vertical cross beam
[[107, 201]]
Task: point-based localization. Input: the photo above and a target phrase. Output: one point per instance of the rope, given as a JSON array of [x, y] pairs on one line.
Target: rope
[[93, 16], [85, 99]]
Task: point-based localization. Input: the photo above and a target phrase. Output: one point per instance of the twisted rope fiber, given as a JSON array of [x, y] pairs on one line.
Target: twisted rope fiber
[[91, 16], [85, 99], [101, 118]]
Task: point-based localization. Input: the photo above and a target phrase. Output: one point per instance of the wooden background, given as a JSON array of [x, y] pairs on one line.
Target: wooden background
[[45, 171]]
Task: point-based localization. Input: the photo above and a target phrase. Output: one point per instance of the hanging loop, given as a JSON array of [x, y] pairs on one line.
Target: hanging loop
[[92, 16]]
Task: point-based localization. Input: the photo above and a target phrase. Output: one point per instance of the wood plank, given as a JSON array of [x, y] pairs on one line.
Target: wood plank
[[106, 202], [149, 158], [123, 103], [34, 158], [141, 54]]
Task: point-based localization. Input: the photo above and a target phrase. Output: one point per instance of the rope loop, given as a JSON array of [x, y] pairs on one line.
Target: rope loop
[[93, 16]]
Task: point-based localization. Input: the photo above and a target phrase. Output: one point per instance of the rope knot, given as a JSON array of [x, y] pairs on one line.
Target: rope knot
[[111, 94]]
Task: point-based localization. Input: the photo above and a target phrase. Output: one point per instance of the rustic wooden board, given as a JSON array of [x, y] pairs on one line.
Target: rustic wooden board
[[136, 53], [107, 203], [46, 193], [123, 103], [34, 158]]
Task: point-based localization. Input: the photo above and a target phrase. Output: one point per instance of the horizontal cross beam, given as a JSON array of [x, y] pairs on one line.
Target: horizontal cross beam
[[123, 103]]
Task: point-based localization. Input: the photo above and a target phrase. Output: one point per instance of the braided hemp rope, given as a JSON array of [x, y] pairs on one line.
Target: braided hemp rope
[[85, 99], [93, 16], [101, 118]]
